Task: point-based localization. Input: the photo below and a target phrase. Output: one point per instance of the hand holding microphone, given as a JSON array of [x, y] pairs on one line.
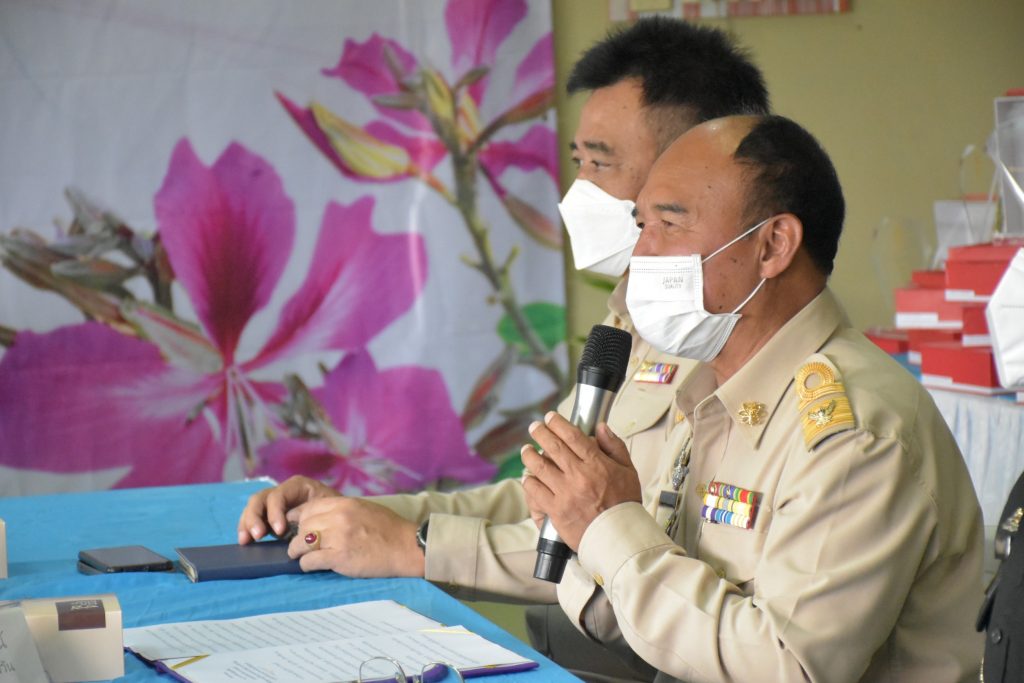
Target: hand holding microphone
[[600, 373]]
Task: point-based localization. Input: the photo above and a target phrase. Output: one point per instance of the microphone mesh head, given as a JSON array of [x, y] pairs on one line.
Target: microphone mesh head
[[607, 348]]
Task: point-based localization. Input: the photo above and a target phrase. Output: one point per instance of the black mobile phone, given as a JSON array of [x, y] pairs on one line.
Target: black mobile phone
[[125, 558]]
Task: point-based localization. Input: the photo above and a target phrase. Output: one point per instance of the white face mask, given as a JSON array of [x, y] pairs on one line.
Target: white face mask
[[1005, 314], [665, 298], [602, 230]]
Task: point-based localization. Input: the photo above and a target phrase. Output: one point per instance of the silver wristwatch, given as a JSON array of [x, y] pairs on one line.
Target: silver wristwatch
[[421, 536]]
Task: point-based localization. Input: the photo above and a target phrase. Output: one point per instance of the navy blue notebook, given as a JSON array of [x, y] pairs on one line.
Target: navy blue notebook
[[233, 561]]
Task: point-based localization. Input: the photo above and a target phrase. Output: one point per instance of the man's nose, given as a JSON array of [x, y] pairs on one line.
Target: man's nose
[[646, 245]]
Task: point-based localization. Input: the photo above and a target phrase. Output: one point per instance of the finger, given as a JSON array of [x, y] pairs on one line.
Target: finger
[[300, 545], [295, 514], [539, 466], [538, 496], [553, 448], [275, 510], [315, 561], [572, 438], [250, 524], [612, 445], [320, 506]]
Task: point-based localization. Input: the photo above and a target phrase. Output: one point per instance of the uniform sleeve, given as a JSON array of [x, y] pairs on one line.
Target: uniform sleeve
[[482, 543], [475, 560], [851, 525], [501, 503]]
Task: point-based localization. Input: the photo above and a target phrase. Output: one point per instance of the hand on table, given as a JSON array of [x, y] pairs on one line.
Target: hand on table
[[578, 477], [355, 537], [266, 512]]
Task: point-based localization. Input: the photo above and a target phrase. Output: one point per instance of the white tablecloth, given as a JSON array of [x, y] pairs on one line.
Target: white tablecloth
[[990, 433]]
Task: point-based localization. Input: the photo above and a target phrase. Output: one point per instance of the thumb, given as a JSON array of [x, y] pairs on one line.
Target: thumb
[[612, 445]]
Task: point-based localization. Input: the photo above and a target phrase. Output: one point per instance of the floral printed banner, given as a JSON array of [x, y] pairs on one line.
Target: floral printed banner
[[245, 237]]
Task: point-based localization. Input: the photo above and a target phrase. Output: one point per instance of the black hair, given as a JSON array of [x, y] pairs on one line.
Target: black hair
[[789, 172], [679, 65]]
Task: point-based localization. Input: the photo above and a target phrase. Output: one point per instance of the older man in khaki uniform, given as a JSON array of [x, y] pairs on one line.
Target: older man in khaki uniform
[[827, 529]]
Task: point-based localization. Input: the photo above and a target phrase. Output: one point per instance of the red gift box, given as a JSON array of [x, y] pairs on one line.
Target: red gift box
[[922, 308], [975, 330], [888, 339], [951, 365], [973, 271], [916, 339], [929, 279]]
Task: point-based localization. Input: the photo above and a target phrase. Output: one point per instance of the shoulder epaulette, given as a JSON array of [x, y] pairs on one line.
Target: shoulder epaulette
[[824, 407]]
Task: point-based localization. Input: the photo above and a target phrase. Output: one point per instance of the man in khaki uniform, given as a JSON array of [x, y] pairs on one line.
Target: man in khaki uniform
[[827, 527], [648, 83], [623, 126]]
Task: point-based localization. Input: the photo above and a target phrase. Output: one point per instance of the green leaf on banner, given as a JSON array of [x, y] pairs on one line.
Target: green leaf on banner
[[546, 319], [601, 282], [510, 468]]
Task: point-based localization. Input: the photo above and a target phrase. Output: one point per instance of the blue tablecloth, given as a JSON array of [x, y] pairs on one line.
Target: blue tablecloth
[[45, 533]]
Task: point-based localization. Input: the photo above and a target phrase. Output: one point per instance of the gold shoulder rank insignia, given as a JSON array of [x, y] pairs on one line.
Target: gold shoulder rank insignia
[[824, 407], [822, 416]]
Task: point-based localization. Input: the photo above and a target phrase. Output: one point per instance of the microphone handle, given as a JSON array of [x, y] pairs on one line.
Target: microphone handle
[[591, 406]]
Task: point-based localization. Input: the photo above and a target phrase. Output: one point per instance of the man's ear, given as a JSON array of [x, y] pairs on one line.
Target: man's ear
[[780, 243]]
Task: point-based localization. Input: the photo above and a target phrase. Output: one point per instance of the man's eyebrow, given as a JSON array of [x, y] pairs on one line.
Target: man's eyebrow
[[598, 146], [593, 147], [671, 208]]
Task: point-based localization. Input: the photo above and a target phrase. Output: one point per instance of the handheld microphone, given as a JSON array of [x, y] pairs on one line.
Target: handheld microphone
[[599, 375]]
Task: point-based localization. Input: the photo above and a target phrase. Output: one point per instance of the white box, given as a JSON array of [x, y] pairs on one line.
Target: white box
[[1009, 141], [959, 222], [79, 638]]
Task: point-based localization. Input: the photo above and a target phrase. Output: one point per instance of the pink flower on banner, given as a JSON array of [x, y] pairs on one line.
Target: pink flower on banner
[[173, 410], [87, 400], [385, 430], [418, 104]]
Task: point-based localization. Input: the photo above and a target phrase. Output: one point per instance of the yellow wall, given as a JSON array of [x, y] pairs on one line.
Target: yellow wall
[[894, 90]]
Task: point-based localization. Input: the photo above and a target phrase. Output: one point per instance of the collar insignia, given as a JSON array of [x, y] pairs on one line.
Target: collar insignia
[[751, 413]]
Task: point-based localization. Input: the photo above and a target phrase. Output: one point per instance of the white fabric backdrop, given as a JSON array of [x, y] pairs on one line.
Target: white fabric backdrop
[[99, 95]]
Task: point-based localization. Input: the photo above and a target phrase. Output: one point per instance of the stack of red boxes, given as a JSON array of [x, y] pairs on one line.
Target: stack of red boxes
[[943, 313], [891, 341]]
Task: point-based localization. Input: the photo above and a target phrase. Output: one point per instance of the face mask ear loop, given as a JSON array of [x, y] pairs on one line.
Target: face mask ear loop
[[733, 241], [751, 296]]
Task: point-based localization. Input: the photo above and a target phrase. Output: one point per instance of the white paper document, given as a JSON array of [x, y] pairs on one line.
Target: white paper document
[[315, 646], [19, 657]]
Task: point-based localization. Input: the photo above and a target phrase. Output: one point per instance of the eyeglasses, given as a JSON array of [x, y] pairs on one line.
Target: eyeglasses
[[386, 670]]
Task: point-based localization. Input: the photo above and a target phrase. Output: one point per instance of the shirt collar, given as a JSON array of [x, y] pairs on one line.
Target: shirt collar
[[753, 394]]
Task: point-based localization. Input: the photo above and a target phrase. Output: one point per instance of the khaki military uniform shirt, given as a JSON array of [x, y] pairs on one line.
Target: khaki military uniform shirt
[[864, 559], [482, 543]]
